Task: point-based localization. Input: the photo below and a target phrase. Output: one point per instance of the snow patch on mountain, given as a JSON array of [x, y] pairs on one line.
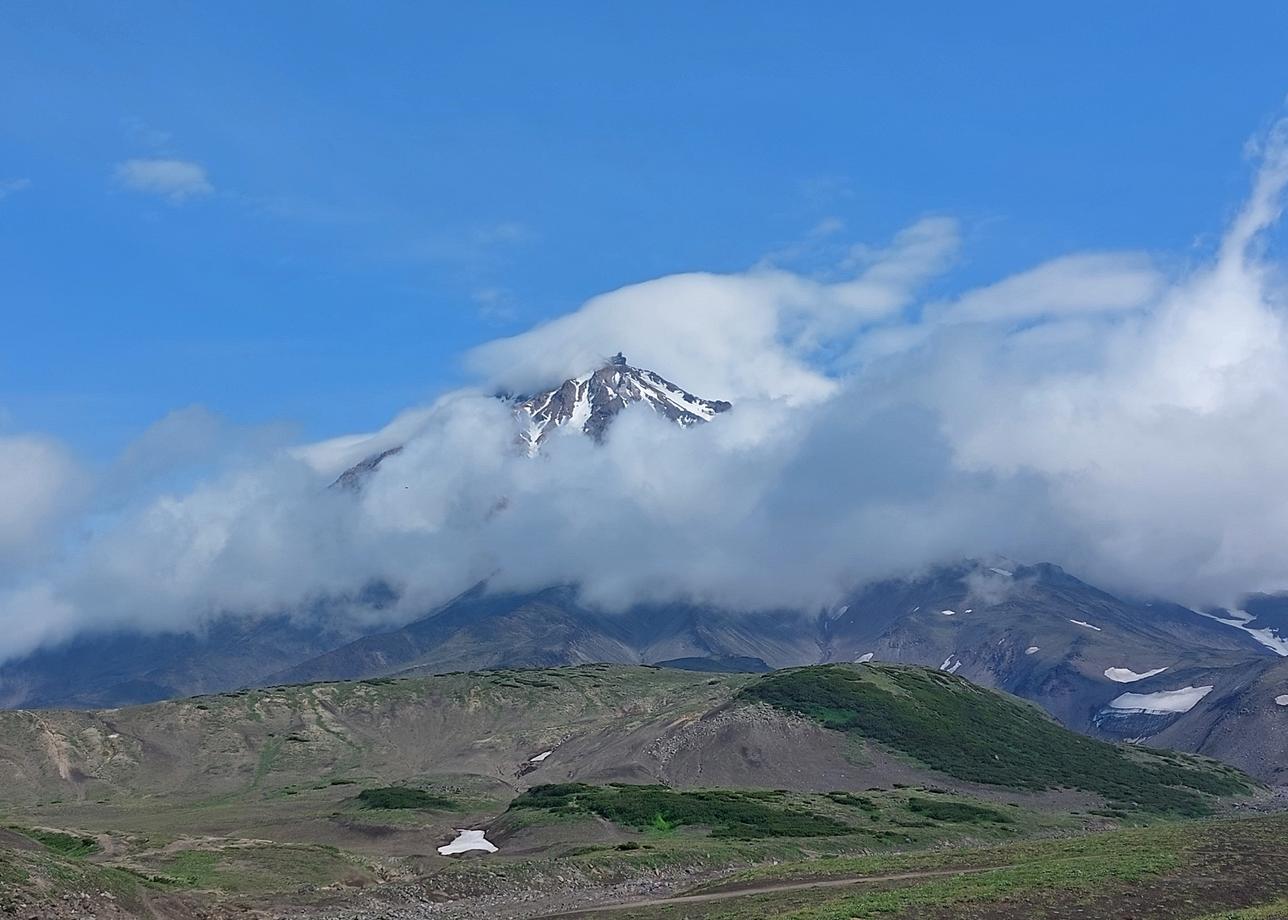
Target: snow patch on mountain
[[467, 841], [1164, 702], [1128, 676], [1240, 620]]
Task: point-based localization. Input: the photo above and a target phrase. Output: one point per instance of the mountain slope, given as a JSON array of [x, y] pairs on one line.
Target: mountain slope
[[598, 723], [590, 402], [587, 403], [1039, 633], [973, 734], [275, 802], [1034, 631], [1243, 721], [127, 668], [1100, 664], [551, 627]]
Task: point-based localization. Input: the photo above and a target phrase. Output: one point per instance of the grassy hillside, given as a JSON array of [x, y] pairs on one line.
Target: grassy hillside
[[1206, 870], [587, 779], [975, 734], [380, 732]]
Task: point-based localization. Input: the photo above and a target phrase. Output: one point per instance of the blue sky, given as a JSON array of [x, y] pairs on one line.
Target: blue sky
[[372, 189]]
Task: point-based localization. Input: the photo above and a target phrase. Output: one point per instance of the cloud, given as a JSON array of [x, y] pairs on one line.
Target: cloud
[[756, 335], [174, 180], [1070, 285], [1095, 411], [41, 486], [12, 187]]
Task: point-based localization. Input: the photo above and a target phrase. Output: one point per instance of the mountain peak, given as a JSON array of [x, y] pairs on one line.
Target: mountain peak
[[591, 401]]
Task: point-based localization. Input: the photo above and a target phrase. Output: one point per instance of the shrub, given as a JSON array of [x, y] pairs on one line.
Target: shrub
[[729, 813], [402, 797]]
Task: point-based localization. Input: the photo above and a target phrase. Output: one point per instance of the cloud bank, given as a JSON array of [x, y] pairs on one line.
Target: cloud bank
[[1096, 410]]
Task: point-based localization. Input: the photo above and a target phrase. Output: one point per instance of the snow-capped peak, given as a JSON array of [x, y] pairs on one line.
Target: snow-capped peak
[[587, 403], [591, 401]]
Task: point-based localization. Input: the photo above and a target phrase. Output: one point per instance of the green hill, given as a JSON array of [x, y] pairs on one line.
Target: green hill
[[978, 735]]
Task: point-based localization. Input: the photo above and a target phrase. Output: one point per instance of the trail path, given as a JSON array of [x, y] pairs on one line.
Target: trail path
[[725, 894]]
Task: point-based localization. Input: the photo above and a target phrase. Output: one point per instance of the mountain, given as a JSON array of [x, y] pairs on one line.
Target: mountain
[[119, 669], [591, 402], [342, 799], [552, 627], [587, 403], [1107, 666], [1040, 633], [1033, 631], [1117, 668]]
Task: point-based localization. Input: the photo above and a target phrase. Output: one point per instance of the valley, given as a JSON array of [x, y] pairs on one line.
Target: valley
[[598, 786]]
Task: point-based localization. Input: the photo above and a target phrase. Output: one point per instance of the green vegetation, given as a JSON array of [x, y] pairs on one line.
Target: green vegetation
[[258, 869], [956, 812], [1172, 870], [402, 797], [978, 735], [65, 844], [739, 814], [29, 877]]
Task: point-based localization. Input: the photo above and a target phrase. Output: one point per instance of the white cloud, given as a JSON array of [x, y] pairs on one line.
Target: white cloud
[[1069, 285], [40, 485], [1091, 411], [743, 336], [12, 187], [174, 180]]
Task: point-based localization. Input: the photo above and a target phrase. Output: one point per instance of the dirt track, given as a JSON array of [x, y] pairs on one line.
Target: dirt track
[[725, 894]]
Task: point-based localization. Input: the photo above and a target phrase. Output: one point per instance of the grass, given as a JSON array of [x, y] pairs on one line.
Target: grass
[[1200, 870], [63, 844], [395, 797], [978, 735], [31, 879], [729, 813], [257, 870]]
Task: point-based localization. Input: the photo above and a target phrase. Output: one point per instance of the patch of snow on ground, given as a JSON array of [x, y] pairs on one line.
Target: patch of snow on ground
[[947, 661], [1128, 676], [864, 658], [1163, 702], [1240, 620], [1030, 650], [467, 841], [1005, 572], [1282, 700], [953, 669], [540, 757], [1088, 625], [949, 613]]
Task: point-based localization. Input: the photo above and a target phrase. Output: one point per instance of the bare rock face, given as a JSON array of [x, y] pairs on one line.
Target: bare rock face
[[590, 402]]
